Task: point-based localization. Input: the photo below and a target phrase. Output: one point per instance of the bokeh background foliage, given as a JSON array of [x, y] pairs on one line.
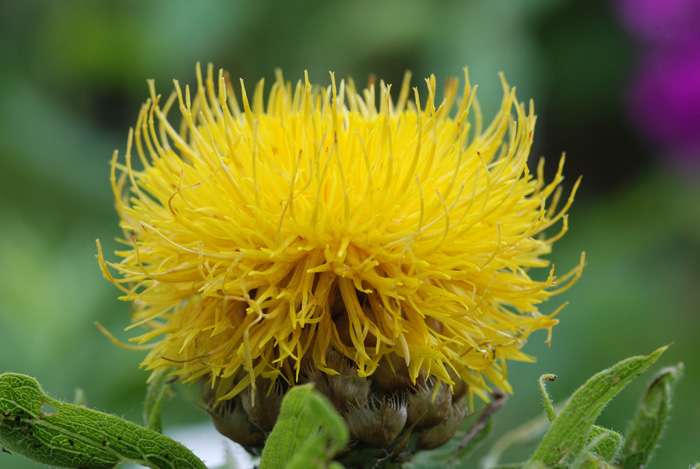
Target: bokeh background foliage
[[72, 77]]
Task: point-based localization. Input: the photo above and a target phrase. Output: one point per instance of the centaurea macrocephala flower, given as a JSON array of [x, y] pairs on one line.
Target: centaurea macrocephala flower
[[264, 234]]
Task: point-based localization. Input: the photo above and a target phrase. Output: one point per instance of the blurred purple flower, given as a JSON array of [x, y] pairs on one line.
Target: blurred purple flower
[[662, 21], [665, 101], [664, 97]]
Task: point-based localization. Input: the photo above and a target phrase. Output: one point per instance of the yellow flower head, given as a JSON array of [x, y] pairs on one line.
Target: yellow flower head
[[328, 218]]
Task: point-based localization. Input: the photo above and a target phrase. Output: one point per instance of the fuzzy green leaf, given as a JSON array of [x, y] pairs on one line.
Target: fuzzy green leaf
[[593, 462], [308, 432], [66, 435], [571, 430], [155, 394], [589, 456], [607, 446], [649, 421]]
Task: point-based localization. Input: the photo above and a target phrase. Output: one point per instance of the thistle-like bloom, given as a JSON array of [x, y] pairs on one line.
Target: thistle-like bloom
[[264, 235]]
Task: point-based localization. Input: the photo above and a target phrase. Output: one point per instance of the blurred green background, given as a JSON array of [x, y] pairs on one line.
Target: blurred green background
[[72, 78]]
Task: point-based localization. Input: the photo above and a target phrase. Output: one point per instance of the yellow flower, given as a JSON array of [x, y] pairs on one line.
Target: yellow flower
[[334, 219]]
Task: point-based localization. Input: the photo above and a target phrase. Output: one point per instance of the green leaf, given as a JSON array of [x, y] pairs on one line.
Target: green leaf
[[155, 394], [593, 462], [571, 430], [308, 432], [649, 421], [66, 435], [588, 458], [608, 445]]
